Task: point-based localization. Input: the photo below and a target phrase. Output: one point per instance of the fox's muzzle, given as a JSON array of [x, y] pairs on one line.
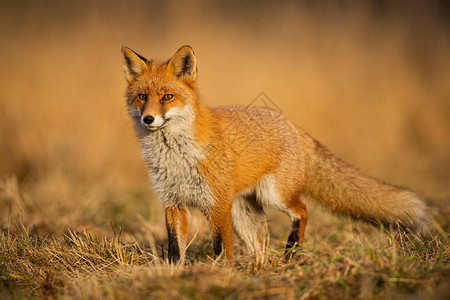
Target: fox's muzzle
[[148, 120], [152, 122]]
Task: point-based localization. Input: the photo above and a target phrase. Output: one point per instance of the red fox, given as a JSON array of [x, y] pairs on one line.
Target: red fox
[[187, 148]]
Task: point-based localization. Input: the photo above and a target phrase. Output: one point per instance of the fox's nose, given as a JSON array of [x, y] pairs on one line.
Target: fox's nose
[[148, 119]]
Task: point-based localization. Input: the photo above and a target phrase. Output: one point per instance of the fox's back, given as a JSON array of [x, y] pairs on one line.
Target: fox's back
[[255, 126], [261, 141]]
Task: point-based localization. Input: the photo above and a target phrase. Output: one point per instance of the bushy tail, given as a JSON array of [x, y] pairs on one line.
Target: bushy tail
[[346, 190]]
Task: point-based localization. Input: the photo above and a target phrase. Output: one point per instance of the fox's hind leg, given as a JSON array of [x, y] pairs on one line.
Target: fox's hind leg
[[249, 222], [299, 216]]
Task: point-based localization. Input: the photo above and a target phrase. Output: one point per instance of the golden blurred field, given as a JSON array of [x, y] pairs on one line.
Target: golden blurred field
[[370, 80]]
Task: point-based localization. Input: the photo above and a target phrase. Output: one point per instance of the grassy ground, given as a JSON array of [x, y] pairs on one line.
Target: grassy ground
[[370, 80], [340, 259]]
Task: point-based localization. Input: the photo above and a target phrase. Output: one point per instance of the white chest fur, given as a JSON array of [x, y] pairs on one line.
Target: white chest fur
[[173, 160]]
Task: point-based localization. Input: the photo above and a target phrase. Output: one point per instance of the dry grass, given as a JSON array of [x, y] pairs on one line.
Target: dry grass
[[77, 217], [352, 262]]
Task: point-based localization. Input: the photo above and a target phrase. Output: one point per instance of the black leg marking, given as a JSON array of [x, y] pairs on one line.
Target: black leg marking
[[293, 236], [217, 244], [174, 249]]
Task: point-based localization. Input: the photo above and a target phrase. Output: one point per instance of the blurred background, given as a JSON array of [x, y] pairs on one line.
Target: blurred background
[[369, 79]]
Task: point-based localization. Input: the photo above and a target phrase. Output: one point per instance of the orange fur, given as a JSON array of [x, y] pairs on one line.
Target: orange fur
[[213, 157], [177, 227]]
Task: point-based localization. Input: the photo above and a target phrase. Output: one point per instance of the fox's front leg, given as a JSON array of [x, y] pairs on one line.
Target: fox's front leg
[[177, 220], [222, 231]]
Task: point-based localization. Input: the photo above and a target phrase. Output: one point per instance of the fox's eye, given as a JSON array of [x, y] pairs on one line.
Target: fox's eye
[[167, 97], [142, 97]]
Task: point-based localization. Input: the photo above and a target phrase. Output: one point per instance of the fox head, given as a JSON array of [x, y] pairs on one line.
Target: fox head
[[160, 94]]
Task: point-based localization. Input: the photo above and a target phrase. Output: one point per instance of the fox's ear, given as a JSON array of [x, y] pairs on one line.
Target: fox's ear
[[133, 64], [184, 64]]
